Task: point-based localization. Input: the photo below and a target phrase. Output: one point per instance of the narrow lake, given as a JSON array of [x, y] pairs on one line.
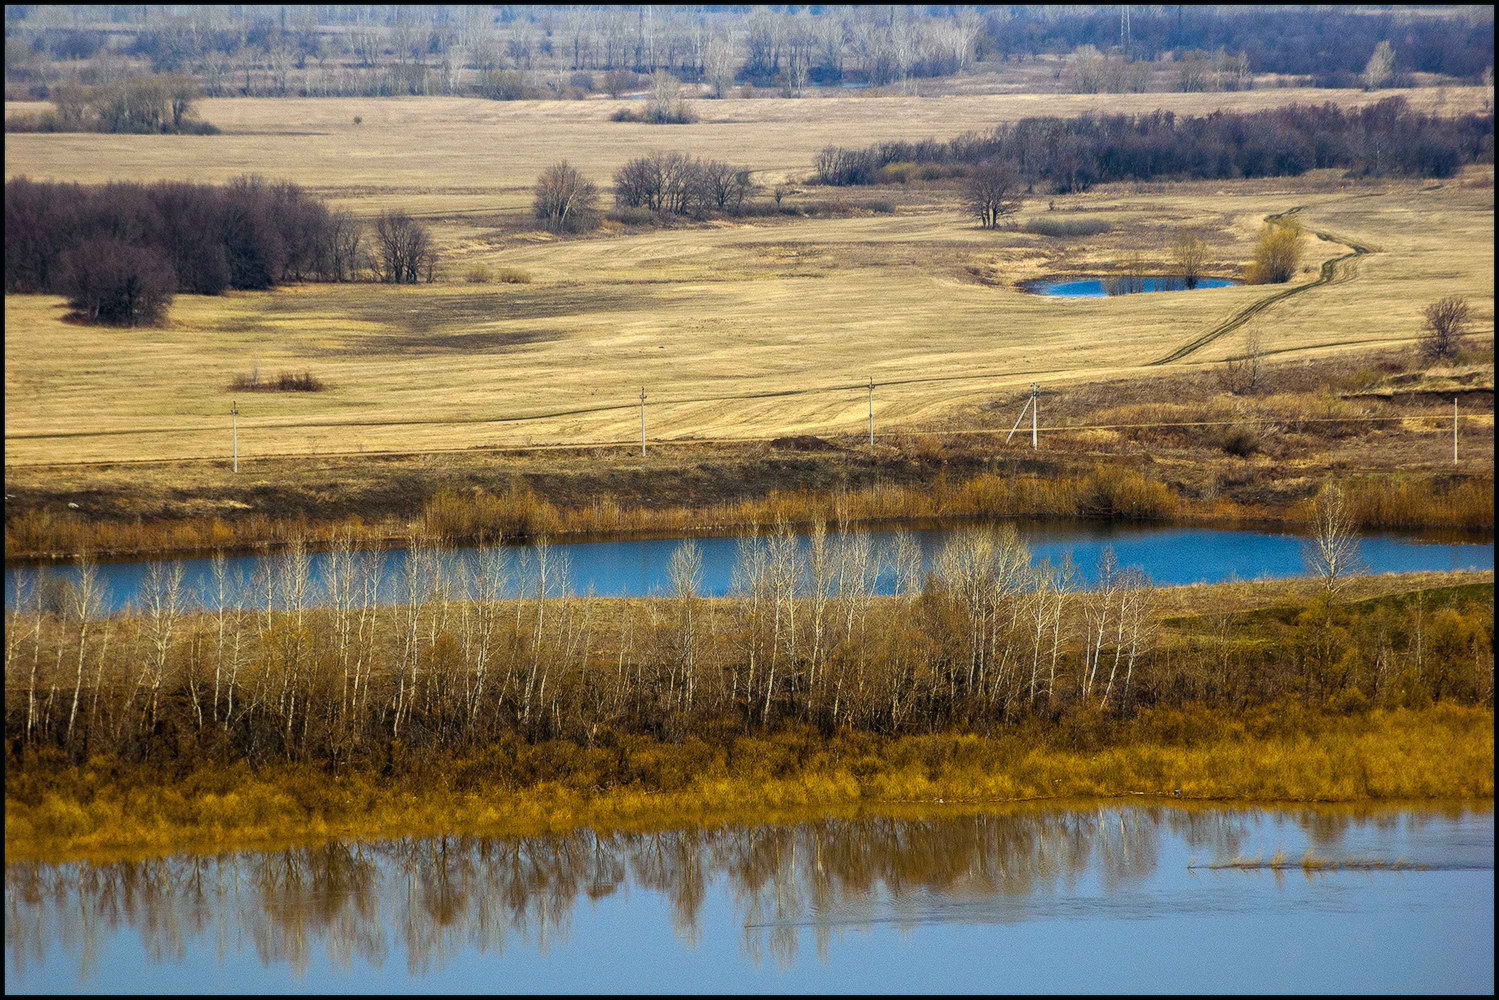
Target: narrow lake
[[638, 567], [1099, 288], [1093, 897]]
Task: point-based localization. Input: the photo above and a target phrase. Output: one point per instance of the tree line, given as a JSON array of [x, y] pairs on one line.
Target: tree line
[[120, 251], [289, 663], [1073, 154], [1328, 44], [443, 49]]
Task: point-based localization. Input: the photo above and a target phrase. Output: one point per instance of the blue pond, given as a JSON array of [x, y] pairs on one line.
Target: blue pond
[[637, 567], [1099, 288]]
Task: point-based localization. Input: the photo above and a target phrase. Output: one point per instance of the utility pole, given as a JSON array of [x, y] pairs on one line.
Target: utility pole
[[1034, 407], [871, 412], [642, 421], [234, 419], [1030, 404], [1454, 430]]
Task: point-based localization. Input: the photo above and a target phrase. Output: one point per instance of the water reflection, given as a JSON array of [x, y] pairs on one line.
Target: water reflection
[[432, 900]]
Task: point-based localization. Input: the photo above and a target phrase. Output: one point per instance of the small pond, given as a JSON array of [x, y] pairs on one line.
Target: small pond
[[1102, 287]]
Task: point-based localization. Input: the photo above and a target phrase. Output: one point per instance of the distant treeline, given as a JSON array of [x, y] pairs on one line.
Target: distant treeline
[[1329, 44], [544, 50], [1072, 154]]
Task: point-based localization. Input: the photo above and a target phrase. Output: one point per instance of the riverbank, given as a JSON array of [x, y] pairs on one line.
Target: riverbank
[[1110, 450], [1104, 493], [1290, 751]]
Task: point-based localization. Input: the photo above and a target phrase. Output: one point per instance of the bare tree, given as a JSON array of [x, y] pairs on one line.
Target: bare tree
[[1380, 68], [566, 201], [403, 250], [1446, 321], [718, 65], [1332, 554], [84, 606], [992, 192], [1190, 255], [1244, 375]]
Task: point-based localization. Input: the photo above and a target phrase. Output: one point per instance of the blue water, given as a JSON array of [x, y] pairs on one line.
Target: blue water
[[1052, 899], [1098, 288], [638, 567]]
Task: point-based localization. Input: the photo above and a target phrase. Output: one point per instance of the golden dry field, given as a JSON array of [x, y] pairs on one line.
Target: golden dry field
[[734, 329]]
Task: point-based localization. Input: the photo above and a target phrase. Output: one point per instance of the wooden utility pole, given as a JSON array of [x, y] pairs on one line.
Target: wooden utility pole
[[1454, 430], [871, 412], [642, 421], [234, 419]]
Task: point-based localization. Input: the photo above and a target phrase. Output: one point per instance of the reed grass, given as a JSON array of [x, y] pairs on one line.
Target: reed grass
[[105, 806], [1107, 492]]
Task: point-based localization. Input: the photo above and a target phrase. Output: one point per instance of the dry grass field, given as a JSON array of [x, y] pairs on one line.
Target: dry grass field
[[736, 330]]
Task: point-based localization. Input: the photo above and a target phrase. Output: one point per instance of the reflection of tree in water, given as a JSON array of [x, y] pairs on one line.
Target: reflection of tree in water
[[437, 897]]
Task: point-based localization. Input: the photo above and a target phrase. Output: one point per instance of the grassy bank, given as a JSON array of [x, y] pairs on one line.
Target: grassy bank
[[1287, 751], [1104, 491]]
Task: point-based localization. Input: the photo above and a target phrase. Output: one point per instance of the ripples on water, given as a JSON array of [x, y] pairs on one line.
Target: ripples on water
[[882, 903]]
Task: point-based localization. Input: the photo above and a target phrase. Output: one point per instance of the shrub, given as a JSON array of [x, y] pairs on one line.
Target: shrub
[[1277, 255], [513, 276], [479, 274], [285, 382], [1240, 440], [1067, 227]]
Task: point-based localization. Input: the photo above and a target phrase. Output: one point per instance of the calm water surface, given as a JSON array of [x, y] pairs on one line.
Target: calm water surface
[[1081, 898], [638, 567], [1098, 288]]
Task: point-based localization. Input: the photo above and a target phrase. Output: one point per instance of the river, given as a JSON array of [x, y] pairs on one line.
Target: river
[[637, 567], [1084, 897]]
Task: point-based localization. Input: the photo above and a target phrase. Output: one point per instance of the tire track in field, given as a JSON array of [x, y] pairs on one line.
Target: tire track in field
[[1329, 275]]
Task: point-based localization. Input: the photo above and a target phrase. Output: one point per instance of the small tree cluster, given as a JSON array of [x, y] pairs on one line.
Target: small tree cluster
[[247, 234], [566, 201], [142, 104], [403, 251], [665, 104], [679, 184], [114, 283]]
